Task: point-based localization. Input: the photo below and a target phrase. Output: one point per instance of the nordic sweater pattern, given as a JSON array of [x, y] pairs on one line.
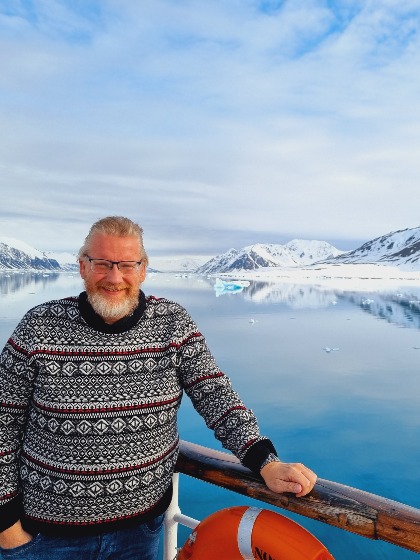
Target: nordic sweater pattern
[[88, 430]]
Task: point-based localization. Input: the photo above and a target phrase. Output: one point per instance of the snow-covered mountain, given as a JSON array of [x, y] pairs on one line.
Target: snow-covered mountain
[[399, 248], [295, 253], [67, 261], [17, 255], [176, 263], [307, 252]]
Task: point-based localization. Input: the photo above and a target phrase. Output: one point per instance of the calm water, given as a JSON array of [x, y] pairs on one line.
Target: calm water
[[350, 413]]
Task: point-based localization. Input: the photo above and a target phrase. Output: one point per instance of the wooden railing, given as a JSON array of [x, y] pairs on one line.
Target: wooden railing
[[329, 502]]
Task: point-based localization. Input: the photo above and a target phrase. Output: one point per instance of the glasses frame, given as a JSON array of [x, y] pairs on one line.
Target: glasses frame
[[117, 263]]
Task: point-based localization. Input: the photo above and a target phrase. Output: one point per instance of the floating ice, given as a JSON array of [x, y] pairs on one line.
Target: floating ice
[[231, 286]]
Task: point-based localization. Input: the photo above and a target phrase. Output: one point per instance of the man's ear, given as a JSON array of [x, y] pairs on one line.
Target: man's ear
[[82, 268], [143, 269]]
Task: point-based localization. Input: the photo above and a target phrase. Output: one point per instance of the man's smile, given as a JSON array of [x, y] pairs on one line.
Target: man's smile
[[112, 289]]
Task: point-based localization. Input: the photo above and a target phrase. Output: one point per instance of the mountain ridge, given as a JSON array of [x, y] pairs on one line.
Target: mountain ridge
[[17, 255], [295, 253], [400, 248]]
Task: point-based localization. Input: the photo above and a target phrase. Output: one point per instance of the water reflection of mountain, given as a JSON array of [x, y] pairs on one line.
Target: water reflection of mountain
[[15, 282], [401, 307], [293, 295]]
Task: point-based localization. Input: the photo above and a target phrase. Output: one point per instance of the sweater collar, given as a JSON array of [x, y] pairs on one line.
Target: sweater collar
[[96, 322]]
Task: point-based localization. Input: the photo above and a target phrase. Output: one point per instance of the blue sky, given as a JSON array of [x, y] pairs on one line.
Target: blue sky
[[213, 124]]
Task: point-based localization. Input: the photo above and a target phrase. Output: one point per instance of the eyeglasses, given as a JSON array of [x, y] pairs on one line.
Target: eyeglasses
[[103, 266]]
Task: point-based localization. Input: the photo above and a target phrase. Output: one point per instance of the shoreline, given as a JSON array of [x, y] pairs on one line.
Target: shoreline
[[354, 276], [364, 274]]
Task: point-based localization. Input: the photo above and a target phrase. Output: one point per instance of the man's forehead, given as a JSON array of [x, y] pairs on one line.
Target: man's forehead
[[114, 243]]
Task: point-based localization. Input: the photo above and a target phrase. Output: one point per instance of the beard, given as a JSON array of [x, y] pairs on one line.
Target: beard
[[112, 310]]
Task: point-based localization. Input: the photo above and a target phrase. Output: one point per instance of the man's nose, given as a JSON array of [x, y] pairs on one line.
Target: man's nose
[[114, 273]]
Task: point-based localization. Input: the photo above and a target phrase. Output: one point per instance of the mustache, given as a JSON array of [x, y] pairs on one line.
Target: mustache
[[113, 287]]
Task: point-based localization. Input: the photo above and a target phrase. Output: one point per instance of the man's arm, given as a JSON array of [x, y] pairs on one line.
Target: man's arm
[[233, 423], [16, 380], [14, 536]]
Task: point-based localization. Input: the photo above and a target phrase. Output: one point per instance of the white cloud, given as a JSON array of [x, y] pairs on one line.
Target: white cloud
[[299, 120]]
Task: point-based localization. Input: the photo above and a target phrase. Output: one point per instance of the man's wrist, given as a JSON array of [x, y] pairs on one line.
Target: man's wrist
[[271, 458]]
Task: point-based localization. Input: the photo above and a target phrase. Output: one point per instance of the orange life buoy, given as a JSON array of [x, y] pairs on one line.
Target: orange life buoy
[[251, 533]]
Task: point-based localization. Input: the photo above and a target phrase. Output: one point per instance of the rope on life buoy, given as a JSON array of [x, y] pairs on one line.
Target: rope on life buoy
[[249, 533]]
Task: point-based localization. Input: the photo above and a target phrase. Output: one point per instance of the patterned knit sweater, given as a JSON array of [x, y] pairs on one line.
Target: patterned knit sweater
[[88, 414]]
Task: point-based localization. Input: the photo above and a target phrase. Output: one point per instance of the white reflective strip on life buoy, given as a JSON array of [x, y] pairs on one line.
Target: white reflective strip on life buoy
[[245, 532]]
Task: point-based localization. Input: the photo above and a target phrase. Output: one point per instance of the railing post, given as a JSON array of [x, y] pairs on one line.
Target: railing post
[[170, 525], [172, 518]]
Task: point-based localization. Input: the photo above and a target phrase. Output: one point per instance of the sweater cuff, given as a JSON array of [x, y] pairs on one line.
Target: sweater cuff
[[10, 513], [257, 454]]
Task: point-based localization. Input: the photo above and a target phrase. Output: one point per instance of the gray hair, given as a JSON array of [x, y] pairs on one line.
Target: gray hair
[[118, 226]]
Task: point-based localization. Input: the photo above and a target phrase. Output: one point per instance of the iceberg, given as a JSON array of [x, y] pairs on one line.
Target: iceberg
[[229, 286]]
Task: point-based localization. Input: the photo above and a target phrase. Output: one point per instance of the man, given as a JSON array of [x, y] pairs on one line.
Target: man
[[90, 387]]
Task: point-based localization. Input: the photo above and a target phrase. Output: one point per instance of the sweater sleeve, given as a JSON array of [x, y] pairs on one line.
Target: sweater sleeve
[[15, 390], [214, 398]]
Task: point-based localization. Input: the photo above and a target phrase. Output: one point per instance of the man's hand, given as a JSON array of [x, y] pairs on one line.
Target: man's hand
[[288, 477], [14, 536]]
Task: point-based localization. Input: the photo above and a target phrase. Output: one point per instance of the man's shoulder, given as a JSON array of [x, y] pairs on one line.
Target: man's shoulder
[[164, 306], [155, 300], [48, 315], [54, 307]]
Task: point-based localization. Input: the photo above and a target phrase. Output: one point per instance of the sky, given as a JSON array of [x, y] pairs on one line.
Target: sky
[[213, 123]]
